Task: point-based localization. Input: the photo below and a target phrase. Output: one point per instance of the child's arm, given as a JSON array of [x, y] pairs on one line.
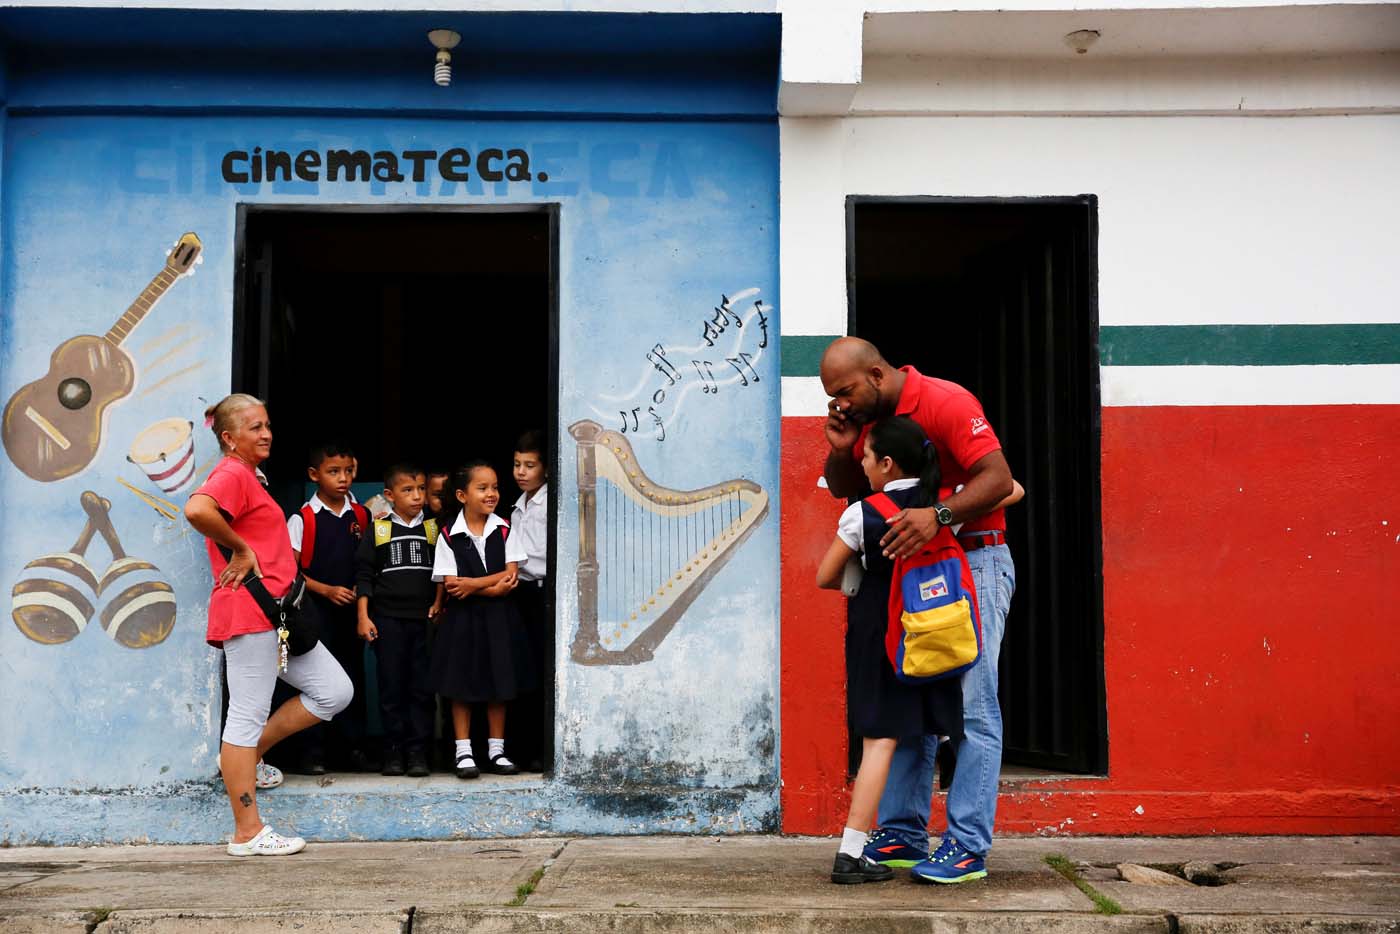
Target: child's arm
[[461, 587], [340, 596], [833, 564], [435, 610], [1017, 494], [505, 583], [364, 627]]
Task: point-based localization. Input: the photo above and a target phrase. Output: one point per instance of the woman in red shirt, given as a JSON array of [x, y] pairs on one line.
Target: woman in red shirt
[[233, 511]]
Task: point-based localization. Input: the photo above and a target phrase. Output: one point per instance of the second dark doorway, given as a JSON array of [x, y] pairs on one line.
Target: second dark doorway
[[1000, 296]]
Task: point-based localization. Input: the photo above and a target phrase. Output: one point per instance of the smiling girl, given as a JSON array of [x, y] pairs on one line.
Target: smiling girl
[[480, 652]]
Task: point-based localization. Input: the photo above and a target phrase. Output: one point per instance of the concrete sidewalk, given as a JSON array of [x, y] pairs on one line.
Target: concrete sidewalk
[[1271, 885]]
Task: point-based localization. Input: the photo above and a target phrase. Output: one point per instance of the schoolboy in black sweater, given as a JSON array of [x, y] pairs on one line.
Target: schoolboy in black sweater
[[396, 598], [325, 534]]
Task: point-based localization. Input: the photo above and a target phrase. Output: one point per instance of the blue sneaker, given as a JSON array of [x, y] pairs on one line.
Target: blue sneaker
[[951, 862], [885, 848]]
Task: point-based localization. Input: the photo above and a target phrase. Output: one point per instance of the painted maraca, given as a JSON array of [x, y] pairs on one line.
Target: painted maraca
[[47, 607], [143, 614]]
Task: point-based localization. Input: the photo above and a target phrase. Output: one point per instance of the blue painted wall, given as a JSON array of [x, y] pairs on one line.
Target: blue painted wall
[[667, 205]]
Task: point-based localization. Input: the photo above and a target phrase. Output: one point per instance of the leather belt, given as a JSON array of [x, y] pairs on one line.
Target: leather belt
[[975, 540]]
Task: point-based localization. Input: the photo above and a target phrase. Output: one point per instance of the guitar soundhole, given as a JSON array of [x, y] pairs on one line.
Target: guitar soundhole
[[74, 393]]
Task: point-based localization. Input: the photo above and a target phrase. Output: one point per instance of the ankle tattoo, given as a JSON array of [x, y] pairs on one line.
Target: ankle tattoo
[[245, 799]]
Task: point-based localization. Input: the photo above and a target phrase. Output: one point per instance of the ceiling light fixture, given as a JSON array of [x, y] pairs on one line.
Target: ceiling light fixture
[[444, 40], [1082, 39]]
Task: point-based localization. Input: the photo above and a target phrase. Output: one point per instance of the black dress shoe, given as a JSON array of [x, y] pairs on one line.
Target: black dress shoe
[[358, 761], [393, 763], [312, 764], [418, 764], [501, 764], [850, 870], [466, 768]]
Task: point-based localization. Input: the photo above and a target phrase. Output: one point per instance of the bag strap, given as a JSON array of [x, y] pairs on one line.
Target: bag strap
[[270, 605], [308, 535], [361, 515], [883, 505]]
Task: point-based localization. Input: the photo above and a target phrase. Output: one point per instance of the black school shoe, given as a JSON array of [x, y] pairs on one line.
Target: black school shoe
[[393, 763], [851, 870], [501, 765], [466, 768], [417, 764]]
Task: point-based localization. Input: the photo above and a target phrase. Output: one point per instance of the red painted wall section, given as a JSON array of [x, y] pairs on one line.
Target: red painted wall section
[[814, 738], [1252, 628]]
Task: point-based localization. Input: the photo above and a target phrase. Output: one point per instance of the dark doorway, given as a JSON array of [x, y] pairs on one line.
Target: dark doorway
[[419, 335], [1001, 297]]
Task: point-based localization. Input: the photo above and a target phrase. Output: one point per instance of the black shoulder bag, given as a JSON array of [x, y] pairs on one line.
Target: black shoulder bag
[[295, 623]]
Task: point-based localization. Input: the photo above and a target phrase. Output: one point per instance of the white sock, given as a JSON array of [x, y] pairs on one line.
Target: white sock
[[853, 842], [464, 749], [495, 747]]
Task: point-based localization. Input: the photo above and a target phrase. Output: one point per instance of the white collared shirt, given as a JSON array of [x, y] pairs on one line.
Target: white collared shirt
[[294, 524], [411, 523], [529, 519], [850, 527], [445, 559]]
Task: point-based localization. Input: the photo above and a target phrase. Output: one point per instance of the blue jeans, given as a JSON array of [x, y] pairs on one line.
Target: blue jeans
[[972, 800]]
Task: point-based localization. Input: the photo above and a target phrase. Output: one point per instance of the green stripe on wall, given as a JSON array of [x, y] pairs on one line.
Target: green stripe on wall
[[802, 354], [1249, 344], [1196, 345]]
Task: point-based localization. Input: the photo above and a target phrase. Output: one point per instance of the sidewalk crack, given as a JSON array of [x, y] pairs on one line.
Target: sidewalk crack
[[527, 888]]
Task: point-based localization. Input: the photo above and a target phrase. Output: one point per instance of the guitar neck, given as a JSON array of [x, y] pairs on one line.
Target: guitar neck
[[137, 310]]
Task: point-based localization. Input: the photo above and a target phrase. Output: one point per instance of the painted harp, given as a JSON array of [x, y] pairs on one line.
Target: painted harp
[[645, 551]]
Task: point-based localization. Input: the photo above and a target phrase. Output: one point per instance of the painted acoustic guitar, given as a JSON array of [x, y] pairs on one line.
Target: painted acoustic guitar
[[53, 427]]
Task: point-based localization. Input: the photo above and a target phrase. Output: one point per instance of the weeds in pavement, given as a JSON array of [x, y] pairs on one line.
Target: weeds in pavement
[[1102, 903], [523, 890]]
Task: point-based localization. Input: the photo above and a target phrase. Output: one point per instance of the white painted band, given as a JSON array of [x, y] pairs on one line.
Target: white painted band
[[54, 602], [803, 396], [1194, 385], [1249, 385]]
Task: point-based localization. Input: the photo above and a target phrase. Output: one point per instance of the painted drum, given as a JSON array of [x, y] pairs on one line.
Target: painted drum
[[165, 452], [53, 599]]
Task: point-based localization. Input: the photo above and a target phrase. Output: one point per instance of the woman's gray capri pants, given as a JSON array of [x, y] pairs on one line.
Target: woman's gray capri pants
[[252, 672]]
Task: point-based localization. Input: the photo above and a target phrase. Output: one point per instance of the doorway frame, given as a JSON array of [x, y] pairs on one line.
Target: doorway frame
[[551, 210], [1099, 744]]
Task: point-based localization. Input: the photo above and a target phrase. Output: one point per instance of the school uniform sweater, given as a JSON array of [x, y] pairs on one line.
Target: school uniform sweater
[[395, 571]]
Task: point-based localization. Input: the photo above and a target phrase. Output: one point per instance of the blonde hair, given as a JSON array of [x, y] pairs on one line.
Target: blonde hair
[[219, 416]]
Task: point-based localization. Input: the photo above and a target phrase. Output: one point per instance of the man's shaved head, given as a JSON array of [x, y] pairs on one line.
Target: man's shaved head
[[860, 381], [847, 354]]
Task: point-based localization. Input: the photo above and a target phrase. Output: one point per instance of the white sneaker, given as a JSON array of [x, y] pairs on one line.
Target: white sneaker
[[269, 776], [268, 842]]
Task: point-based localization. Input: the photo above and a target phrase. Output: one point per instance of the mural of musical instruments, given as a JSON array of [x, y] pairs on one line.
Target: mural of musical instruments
[[52, 428], [646, 551], [48, 607], [165, 453]]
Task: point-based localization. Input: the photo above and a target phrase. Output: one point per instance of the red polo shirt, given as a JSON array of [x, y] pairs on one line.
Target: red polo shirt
[[953, 420]]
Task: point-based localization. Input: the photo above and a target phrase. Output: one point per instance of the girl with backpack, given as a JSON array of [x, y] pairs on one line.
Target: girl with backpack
[[899, 462]]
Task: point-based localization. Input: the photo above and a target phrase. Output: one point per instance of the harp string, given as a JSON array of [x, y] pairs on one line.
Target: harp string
[[645, 549]]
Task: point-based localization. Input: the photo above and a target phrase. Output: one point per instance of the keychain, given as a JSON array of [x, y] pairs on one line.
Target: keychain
[[282, 636]]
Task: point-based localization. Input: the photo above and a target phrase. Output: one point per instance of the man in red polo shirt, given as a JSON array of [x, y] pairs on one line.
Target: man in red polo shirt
[[864, 388]]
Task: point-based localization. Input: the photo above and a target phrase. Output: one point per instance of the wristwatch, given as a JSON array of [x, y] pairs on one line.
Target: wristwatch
[[943, 514]]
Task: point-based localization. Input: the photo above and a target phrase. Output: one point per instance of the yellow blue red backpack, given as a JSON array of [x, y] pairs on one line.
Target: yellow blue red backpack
[[935, 628]]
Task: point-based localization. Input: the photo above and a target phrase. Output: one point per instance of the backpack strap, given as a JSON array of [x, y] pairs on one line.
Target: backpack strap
[[308, 535], [361, 515], [883, 505], [430, 529], [383, 531]]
